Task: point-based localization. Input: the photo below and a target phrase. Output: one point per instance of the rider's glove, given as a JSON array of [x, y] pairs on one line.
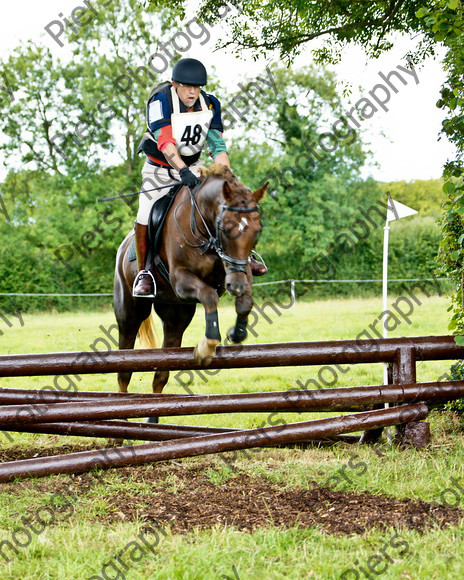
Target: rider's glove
[[188, 178]]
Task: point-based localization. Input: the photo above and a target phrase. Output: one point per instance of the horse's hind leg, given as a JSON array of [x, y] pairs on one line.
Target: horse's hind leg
[[175, 318], [126, 341], [129, 323]]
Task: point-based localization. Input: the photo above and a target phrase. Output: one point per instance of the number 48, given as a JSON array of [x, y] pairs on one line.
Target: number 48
[[190, 139]]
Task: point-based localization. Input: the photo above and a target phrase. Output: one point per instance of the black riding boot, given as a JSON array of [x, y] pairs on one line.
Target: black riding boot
[[144, 283], [257, 268]]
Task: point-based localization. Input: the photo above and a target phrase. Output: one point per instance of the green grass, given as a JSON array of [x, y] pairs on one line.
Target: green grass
[[77, 546]]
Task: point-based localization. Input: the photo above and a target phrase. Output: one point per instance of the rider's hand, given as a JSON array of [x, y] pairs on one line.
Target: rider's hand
[[188, 178]]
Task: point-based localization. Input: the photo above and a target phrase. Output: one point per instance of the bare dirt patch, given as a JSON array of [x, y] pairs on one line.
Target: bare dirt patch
[[185, 496]]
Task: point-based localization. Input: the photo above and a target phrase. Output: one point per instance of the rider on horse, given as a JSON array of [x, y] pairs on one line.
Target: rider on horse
[[180, 119]]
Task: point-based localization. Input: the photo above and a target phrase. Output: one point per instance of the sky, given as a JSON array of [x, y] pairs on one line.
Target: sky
[[403, 138]]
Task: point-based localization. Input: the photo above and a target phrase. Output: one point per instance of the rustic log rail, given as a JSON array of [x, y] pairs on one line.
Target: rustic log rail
[[99, 413], [389, 350], [206, 444], [343, 399]]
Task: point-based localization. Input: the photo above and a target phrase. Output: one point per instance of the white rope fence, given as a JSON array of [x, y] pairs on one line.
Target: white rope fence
[[292, 282]]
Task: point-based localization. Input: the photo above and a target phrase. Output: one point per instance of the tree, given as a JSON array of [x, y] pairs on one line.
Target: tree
[[446, 21], [310, 156], [425, 196], [288, 25], [117, 70], [39, 107], [59, 122], [66, 117]]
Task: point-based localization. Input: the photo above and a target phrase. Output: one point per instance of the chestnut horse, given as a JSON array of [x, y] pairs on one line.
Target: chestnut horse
[[206, 242]]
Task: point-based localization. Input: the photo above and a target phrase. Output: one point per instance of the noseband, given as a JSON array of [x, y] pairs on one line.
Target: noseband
[[233, 264]]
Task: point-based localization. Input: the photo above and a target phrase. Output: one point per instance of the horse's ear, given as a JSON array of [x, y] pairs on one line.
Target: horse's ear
[[259, 193], [227, 192]]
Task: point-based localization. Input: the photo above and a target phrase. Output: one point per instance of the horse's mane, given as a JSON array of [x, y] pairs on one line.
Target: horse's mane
[[221, 171], [218, 170]]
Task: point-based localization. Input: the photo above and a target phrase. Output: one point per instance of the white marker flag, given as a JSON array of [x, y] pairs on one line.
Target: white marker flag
[[397, 210]]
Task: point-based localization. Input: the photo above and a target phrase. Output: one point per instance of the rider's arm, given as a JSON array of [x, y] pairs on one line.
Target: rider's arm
[[172, 156], [222, 158], [159, 117], [217, 147], [214, 139]]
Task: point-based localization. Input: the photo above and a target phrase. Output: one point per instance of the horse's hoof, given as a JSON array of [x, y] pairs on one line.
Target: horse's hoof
[[204, 351], [236, 336]]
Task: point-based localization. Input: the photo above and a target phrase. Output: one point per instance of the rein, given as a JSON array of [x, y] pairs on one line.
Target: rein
[[213, 242]]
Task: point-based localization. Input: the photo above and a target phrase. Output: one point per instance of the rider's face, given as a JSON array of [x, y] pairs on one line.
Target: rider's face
[[188, 94]]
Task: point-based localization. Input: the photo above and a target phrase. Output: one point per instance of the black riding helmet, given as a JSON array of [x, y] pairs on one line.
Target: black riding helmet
[[189, 71]]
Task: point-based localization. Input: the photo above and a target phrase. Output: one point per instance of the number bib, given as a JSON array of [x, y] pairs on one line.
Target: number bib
[[189, 129]]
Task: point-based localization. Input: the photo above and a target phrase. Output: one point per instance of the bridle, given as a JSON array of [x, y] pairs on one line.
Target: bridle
[[234, 264], [214, 242]]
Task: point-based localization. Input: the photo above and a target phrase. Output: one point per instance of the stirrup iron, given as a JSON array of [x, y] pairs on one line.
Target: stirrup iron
[[137, 278]]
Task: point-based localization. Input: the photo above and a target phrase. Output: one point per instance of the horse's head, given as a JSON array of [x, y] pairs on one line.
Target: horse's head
[[238, 224]]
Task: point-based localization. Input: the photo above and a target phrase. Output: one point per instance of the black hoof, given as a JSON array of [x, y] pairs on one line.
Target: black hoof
[[153, 420], [237, 335]]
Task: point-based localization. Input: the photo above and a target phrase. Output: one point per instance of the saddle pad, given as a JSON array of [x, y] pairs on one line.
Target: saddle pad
[[157, 217], [156, 220], [131, 255]]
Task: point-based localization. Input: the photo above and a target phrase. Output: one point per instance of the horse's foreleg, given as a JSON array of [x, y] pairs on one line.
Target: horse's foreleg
[[243, 306], [188, 286], [206, 348]]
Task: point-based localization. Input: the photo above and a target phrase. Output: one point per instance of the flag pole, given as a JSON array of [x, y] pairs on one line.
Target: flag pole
[[395, 211], [386, 232]]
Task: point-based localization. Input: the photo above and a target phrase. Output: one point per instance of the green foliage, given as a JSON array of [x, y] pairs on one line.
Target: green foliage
[[311, 197], [59, 239], [62, 125], [288, 25], [114, 71], [43, 106], [413, 247], [425, 196], [310, 207], [446, 21], [68, 118]]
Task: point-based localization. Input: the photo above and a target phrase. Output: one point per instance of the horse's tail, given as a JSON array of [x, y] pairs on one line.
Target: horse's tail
[[147, 333]]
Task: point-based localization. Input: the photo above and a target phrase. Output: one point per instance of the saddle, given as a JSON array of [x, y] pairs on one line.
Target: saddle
[[156, 221]]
